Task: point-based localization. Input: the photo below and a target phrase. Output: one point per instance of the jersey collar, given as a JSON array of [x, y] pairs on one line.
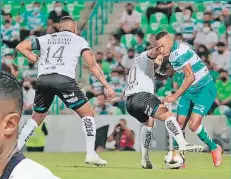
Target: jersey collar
[[67, 31], [14, 161], [175, 45]]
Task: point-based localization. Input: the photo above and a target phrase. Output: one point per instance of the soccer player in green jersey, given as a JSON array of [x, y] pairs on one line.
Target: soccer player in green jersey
[[198, 88]]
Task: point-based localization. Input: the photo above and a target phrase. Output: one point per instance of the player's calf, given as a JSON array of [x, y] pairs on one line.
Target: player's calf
[[174, 129], [145, 143]]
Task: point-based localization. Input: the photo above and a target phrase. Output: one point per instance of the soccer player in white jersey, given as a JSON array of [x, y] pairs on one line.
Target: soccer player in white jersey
[[197, 89], [13, 164], [142, 104], [59, 54]]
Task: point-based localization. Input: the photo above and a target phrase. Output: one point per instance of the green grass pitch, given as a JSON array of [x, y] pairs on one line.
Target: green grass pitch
[[126, 165]]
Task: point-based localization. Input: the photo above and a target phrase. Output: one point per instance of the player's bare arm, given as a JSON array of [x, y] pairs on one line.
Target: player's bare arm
[[154, 54], [189, 79], [96, 70], [25, 48]]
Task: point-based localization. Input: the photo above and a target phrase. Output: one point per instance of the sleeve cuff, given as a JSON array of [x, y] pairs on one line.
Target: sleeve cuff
[[83, 50]]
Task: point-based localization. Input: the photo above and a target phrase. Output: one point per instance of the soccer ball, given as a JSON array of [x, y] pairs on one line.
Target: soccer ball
[[174, 159]]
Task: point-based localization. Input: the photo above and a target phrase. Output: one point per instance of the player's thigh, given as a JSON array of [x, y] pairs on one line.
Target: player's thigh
[[71, 94], [142, 105], [205, 99], [162, 113], [183, 120], [183, 107], [43, 96], [134, 110]]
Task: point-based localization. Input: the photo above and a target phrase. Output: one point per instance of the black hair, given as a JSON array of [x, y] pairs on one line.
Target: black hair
[[208, 23], [207, 61], [205, 49], [10, 90], [190, 8], [7, 14], [115, 71], [123, 120], [179, 34], [99, 53], [101, 94], [161, 34], [6, 67], [116, 36], [8, 54], [222, 71], [36, 2], [208, 13], [57, 2], [66, 18], [131, 50], [140, 34], [129, 4], [221, 44]]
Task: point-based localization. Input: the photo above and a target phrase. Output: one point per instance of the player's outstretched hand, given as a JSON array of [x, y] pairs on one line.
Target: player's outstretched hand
[[110, 93], [169, 99]]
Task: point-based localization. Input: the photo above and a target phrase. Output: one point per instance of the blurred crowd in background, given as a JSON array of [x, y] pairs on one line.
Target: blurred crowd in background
[[204, 26]]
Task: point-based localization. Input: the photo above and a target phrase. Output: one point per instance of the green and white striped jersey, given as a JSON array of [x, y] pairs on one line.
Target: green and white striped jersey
[[182, 55]]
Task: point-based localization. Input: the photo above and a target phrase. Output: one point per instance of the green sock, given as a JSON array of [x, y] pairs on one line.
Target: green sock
[[205, 137], [175, 144]]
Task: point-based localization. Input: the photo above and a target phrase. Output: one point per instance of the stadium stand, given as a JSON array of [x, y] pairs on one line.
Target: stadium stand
[[119, 31]]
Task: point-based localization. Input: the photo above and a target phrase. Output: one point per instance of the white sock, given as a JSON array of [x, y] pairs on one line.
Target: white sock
[[26, 132], [174, 130], [145, 141], [89, 129]]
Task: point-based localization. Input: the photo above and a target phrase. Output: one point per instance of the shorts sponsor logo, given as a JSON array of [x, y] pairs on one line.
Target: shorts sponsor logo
[[148, 110], [172, 127], [68, 95], [72, 100], [199, 107], [89, 126]]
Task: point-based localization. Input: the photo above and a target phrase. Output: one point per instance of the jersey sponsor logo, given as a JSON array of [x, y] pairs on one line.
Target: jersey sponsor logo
[[59, 40], [172, 127], [89, 126]]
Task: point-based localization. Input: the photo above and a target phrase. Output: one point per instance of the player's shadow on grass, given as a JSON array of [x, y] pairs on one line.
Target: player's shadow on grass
[[105, 167]]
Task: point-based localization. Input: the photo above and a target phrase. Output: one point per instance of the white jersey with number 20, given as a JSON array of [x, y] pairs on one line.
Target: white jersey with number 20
[[141, 76], [59, 53]]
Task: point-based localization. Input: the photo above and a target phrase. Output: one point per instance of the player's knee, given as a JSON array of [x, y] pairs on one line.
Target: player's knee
[[40, 110], [38, 117], [193, 126], [180, 121]]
